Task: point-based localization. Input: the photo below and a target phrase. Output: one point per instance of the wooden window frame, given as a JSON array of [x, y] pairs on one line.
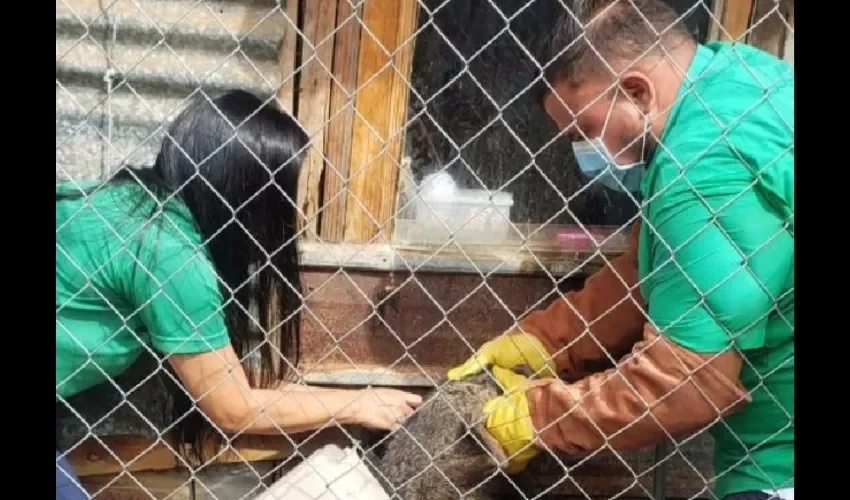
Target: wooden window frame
[[351, 95]]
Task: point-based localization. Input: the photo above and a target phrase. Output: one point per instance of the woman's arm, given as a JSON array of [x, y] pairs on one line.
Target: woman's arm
[[178, 299], [217, 382]]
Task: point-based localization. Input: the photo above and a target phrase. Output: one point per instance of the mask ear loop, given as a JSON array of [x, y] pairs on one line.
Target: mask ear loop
[[612, 161], [644, 138], [644, 135], [608, 118]]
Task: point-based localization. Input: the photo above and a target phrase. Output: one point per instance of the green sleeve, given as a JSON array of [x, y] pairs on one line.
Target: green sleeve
[[721, 255], [174, 287]]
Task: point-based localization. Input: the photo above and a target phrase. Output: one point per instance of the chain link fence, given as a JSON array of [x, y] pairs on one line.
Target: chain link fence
[[437, 205]]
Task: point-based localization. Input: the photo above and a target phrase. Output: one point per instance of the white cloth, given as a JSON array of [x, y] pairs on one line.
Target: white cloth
[[784, 493], [330, 473]]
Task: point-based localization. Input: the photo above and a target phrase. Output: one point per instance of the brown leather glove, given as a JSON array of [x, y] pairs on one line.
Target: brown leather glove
[[658, 385], [610, 303]]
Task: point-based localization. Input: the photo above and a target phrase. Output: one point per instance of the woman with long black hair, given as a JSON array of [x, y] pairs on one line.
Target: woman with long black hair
[[195, 260]]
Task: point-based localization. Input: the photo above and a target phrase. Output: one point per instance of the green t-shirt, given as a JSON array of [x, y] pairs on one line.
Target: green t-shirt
[[126, 281], [716, 249]]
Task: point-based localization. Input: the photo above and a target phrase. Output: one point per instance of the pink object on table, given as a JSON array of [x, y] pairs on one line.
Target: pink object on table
[[580, 239]]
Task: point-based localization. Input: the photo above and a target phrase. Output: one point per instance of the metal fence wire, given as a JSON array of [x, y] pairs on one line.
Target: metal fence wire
[[472, 167]]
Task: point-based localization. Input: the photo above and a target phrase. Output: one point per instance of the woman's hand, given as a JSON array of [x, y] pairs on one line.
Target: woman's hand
[[382, 409], [217, 382]]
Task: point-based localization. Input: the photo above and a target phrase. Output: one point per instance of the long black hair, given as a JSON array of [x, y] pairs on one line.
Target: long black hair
[[233, 162]]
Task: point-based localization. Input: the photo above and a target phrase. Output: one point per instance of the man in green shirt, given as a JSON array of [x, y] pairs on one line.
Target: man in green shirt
[[703, 137]]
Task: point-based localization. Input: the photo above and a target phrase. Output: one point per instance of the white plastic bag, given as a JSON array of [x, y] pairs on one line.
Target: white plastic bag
[[330, 473]]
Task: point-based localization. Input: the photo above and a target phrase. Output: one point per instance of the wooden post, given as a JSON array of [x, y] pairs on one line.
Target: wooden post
[[286, 58], [715, 20], [769, 29], [736, 19], [788, 51], [341, 118], [313, 102], [386, 56]]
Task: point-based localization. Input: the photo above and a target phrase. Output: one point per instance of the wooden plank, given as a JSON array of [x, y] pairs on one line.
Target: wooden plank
[[788, 51], [399, 94], [341, 115], [716, 19], [381, 113], [736, 19], [319, 18], [768, 27], [497, 262], [170, 484], [138, 453], [529, 250], [286, 59]]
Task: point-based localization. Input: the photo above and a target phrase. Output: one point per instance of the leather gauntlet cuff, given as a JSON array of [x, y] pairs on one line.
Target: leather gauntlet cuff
[[604, 318], [658, 387]]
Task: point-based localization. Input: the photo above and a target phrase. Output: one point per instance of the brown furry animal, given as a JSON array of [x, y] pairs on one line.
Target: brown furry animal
[[440, 452], [443, 452]]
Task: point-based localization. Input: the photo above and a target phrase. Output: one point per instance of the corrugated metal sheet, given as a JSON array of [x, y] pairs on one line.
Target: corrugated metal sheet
[[156, 54]]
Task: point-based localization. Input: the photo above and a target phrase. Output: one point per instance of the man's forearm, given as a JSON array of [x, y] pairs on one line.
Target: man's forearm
[[602, 319], [659, 389]]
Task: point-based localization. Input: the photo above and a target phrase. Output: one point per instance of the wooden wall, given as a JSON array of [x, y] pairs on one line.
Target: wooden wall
[[766, 24], [348, 89]]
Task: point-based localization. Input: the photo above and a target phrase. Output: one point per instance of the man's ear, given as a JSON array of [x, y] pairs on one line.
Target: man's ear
[[639, 90], [557, 110]]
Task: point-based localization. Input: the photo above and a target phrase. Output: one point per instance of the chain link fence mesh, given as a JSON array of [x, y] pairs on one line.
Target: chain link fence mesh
[[473, 124]]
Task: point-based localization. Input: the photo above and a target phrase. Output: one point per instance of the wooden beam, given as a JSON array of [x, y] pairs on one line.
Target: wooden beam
[[386, 54], [536, 250], [715, 20], [173, 485], [341, 116], [768, 27], [136, 453], [736, 19], [286, 58], [788, 51], [313, 102]]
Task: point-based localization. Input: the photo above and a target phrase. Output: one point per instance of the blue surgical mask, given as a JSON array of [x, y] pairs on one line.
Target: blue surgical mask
[[596, 161]]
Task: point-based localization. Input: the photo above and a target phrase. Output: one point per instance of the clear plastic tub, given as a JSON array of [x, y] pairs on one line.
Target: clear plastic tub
[[476, 213]]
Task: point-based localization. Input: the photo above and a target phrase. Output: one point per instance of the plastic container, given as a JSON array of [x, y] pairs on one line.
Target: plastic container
[[476, 213], [330, 473]]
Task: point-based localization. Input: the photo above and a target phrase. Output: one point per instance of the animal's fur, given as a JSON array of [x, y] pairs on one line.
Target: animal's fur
[[443, 453], [439, 454]]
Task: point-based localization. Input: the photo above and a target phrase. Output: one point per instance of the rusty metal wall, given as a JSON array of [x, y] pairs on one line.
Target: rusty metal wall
[[125, 66], [425, 326]]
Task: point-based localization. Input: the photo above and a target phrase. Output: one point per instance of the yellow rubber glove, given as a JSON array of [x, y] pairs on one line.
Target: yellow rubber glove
[[508, 351], [509, 420], [508, 379]]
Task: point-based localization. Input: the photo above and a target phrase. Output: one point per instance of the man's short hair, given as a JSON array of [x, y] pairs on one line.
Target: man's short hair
[[623, 30]]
